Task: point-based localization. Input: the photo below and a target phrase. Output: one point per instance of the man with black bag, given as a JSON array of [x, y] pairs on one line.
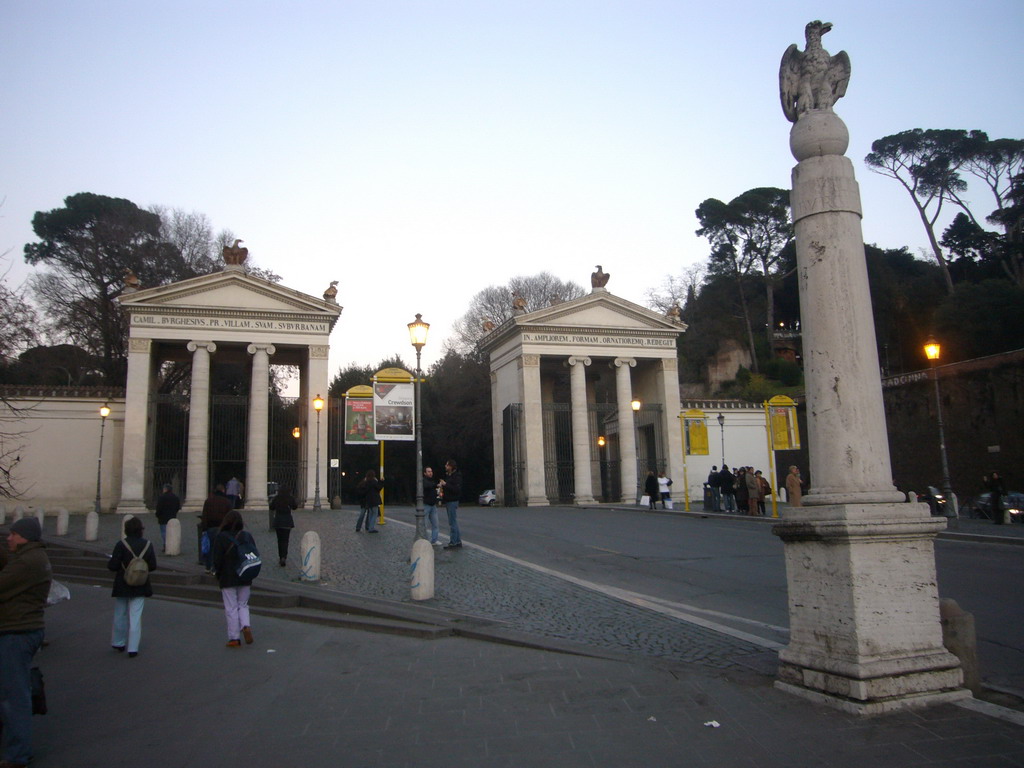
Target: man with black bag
[[24, 586]]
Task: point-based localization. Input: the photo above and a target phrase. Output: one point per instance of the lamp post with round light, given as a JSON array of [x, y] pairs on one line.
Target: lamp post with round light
[[318, 405], [418, 336], [635, 405], [933, 350], [104, 412]]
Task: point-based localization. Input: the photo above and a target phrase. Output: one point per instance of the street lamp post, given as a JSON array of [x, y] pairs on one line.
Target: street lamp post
[[418, 336], [318, 405], [932, 350], [721, 426], [635, 405], [104, 412]]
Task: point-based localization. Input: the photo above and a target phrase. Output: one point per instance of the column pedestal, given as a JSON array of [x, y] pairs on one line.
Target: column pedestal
[[863, 603]]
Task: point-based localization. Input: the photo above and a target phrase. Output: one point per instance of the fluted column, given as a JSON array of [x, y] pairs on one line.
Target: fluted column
[[669, 385], [583, 486], [533, 429], [136, 424], [627, 427], [259, 413], [198, 482]]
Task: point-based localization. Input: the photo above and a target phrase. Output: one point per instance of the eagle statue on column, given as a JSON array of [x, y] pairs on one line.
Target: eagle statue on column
[[811, 79]]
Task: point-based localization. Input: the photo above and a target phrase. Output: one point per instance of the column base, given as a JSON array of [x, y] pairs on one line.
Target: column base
[[865, 631], [133, 507], [537, 501], [581, 501]]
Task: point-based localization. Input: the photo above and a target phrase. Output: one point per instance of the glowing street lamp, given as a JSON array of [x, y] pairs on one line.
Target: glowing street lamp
[[104, 412], [418, 329], [296, 432], [318, 405], [721, 426], [933, 350]]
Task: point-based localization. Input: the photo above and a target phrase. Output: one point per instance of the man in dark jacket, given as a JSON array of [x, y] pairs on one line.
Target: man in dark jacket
[[167, 507], [727, 483], [24, 586], [216, 506], [430, 502], [715, 484], [452, 488]]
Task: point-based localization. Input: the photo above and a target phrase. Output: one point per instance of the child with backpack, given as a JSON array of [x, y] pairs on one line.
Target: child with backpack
[[131, 561], [236, 562]]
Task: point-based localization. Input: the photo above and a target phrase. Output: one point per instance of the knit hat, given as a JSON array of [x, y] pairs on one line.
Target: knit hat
[[28, 528]]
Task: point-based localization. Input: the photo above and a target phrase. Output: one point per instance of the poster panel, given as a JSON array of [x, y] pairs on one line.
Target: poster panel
[[784, 429], [359, 421], [697, 437], [393, 415]]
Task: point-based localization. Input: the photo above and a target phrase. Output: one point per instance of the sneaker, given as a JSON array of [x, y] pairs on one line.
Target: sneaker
[[373, 531], [118, 648], [234, 644], [453, 545], [436, 543], [281, 562], [247, 634], [132, 654]]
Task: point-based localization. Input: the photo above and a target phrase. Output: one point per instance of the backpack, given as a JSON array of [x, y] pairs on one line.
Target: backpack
[[248, 558], [136, 573]]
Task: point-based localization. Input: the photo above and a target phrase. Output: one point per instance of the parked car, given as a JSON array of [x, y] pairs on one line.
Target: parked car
[[936, 501], [487, 498], [981, 506]]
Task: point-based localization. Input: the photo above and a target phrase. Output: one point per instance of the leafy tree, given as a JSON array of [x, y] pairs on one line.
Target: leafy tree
[[17, 322], [980, 319], [749, 236], [494, 305], [931, 166]]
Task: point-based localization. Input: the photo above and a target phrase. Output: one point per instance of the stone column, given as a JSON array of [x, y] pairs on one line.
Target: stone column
[[668, 384], [582, 483], [627, 428], [498, 443], [865, 634], [136, 424], [533, 432], [316, 383], [197, 486], [259, 414]]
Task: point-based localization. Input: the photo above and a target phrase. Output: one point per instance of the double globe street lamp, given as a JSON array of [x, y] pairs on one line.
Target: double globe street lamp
[[418, 336]]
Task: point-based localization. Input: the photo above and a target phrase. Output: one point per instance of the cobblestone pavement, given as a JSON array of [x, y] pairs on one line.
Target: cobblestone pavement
[[472, 582]]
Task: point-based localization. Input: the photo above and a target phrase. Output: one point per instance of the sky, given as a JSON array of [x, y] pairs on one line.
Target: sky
[[419, 152]]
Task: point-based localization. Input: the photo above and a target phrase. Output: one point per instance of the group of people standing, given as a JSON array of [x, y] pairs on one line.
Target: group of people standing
[[745, 489]]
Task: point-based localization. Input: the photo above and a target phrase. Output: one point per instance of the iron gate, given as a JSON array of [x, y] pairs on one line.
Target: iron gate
[[168, 461], [284, 452], [229, 422], [604, 472], [512, 453], [558, 469]]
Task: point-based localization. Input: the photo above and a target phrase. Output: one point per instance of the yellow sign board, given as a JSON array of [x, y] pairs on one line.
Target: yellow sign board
[[696, 432], [782, 423]]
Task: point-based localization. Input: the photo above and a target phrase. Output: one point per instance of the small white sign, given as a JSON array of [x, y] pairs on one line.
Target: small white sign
[[335, 463]]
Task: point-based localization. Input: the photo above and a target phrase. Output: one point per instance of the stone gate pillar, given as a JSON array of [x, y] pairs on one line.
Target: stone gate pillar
[[198, 472], [533, 431], [627, 428], [136, 426], [259, 413], [582, 483]]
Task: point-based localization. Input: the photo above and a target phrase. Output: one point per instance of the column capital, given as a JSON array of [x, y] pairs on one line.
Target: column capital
[[252, 349], [209, 346], [319, 351], [618, 362], [529, 360], [575, 359], [140, 345]]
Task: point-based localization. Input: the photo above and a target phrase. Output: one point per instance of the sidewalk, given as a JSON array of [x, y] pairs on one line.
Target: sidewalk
[[318, 696]]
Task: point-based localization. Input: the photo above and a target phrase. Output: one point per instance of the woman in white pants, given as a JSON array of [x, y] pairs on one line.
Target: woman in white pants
[[234, 588], [126, 633]]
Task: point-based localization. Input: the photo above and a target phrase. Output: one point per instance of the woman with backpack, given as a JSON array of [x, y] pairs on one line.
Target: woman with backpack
[[236, 563], [131, 561]]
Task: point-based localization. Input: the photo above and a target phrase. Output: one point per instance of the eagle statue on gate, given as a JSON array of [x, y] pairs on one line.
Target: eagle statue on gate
[[599, 278], [234, 255], [811, 79]]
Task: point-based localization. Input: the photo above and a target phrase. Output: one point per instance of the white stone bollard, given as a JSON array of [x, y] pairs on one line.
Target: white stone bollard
[[92, 526], [421, 570], [310, 551], [41, 517], [3, 514], [124, 520], [62, 522], [173, 537], [19, 512]]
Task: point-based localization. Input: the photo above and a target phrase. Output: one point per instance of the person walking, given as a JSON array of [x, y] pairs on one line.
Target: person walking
[[24, 586], [129, 600], [664, 484], [167, 507], [451, 487], [715, 484], [753, 492], [997, 491], [430, 503], [651, 489], [742, 491], [234, 589], [282, 505], [794, 487], [233, 490], [216, 506], [368, 491], [726, 481]]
